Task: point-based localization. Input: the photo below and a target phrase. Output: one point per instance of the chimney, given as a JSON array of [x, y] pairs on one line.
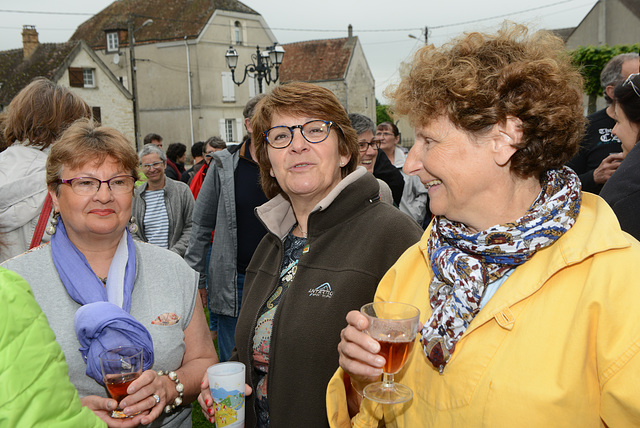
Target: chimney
[[350, 31], [29, 40]]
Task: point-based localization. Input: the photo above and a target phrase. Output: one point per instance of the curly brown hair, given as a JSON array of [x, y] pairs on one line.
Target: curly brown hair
[[479, 80], [85, 141], [301, 99]]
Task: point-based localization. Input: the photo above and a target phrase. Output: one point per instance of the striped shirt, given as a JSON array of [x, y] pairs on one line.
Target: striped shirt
[[156, 219]]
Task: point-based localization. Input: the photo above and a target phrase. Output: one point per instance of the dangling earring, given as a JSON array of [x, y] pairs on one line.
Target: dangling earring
[[51, 229], [133, 227]]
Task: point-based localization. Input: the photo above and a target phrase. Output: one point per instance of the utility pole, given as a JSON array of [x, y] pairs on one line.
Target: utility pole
[[134, 89]]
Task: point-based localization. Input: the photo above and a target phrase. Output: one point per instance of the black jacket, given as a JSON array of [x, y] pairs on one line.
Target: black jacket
[[352, 242], [387, 172], [622, 192]]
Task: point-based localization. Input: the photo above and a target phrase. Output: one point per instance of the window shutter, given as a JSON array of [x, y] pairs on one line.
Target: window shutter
[[252, 86], [97, 115], [223, 133], [228, 91], [76, 78], [239, 129]]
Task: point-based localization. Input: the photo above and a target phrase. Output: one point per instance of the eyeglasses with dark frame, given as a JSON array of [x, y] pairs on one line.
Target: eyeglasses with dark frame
[[633, 85], [314, 131], [154, 165], [89, 186], [364, 146]]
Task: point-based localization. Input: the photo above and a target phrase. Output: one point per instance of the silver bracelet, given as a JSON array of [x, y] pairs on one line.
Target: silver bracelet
[[179, 388]]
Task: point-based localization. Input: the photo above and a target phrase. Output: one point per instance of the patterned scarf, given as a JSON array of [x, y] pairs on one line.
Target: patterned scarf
[[464, 262]]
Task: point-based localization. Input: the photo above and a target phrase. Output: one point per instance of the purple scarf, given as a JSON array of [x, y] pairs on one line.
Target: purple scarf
[[99, 325]]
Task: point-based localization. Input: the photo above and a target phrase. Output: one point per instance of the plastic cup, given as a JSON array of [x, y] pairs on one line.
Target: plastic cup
[[226, 383]]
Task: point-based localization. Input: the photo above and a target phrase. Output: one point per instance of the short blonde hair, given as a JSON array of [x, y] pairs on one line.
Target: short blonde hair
[[479, 80], [85, 141]]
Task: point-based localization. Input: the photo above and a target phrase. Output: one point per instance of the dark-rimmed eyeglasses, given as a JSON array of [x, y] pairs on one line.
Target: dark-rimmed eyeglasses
[[629, 81], [314, 131], [154, 165], [89, 186], [364, 146]]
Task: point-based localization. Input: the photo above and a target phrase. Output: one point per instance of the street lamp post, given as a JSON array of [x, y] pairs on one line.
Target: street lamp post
[[262, 62], [134, 86]]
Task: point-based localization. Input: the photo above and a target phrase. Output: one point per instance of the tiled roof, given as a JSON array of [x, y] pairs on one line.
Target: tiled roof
[[633, 6], [16, 72], [316, 60], [172, 20], [563, 33]]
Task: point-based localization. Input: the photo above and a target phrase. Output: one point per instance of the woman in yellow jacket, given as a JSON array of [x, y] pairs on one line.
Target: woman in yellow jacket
[[527, 287]]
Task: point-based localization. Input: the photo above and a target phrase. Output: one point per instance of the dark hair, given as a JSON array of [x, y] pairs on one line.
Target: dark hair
[[629, 101], [391, 127], [150, 137], [301, 99], [361, 123], [175, 151], [196, 149], [216, 143], [85, 141], [479, 80], [40, 112]]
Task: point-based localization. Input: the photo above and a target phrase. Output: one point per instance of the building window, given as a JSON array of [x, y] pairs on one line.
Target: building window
[[88, 78], [82, 77], [237, 33], [97, 114], [228, 129], [113, 43]]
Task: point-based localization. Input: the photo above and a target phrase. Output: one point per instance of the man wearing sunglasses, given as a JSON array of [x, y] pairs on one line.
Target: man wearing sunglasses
[[599, 154]]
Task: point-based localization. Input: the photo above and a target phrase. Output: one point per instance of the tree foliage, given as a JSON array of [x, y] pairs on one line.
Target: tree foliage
[[382, 113], [591, 60]]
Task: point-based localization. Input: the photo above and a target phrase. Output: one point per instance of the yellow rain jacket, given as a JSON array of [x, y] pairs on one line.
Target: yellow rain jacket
[[556, 346]]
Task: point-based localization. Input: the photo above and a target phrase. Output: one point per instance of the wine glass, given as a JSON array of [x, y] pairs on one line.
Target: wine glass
[[120, 366], [394, 325]]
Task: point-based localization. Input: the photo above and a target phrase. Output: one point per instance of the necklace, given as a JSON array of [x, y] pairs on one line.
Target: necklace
[[103, 280], [304, 234]]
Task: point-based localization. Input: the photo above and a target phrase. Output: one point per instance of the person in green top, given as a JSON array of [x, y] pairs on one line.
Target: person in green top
[[36, 390]]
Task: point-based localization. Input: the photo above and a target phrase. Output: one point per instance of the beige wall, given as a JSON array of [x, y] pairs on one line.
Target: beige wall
[[163, 79], [609, 22], [116, 109]]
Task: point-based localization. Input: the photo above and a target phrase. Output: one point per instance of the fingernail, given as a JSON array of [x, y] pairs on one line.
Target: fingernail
[[361, 324], [207, 402], [210, 410], [211, 419], [379, 361]]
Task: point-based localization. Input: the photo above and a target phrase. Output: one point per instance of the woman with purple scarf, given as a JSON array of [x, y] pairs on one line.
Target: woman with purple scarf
[[100, 290], [526, 286]]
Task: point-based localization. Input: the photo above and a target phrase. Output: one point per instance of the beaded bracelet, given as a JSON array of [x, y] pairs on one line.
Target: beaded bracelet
[[179, 387]]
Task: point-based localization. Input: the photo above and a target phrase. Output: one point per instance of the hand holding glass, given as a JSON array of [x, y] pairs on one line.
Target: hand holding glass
[[120, 367], [394, 325]]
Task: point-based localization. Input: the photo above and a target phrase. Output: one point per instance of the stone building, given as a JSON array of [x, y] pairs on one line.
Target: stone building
[[74, 65]]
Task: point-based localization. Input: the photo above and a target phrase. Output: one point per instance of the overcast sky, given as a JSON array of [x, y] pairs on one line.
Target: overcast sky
[[383, 27]]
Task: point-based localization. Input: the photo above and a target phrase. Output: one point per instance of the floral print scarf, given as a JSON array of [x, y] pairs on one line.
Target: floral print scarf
[[464, 262]]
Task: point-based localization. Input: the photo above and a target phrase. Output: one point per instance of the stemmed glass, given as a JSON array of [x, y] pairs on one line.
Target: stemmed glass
[[120, 366], [394, 325]]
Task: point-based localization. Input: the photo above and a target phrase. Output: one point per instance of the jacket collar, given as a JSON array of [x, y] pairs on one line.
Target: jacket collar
[[278, 217], [596, 230]]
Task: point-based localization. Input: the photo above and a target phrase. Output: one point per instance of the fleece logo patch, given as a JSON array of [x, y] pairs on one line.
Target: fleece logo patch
[[323, 290]]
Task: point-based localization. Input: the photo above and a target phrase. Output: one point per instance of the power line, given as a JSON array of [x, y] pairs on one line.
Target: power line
[[318, 30]]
